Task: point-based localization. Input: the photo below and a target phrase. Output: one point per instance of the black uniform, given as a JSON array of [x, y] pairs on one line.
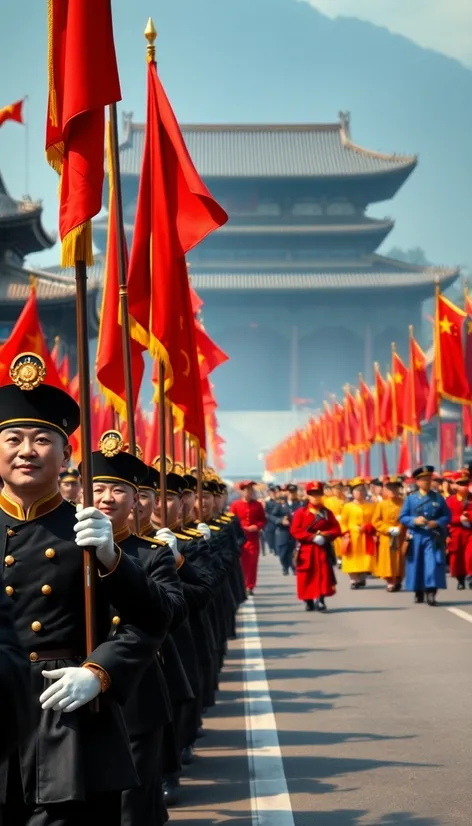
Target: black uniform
[[15, 699], [72, 758], [149, 710]]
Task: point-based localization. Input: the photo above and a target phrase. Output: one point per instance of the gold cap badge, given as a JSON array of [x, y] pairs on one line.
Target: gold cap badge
[[139, 452], [27, 371], [169, 464], [111, 443], [179, 468]]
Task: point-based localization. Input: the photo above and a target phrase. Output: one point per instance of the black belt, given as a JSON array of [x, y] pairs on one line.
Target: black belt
[[57, 654]]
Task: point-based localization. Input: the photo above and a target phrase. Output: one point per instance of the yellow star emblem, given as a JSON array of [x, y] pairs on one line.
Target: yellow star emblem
[[419, 365], [398, 378], [446, 326]]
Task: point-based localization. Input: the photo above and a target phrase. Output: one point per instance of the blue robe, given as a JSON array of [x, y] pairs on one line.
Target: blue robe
[[426, 559]]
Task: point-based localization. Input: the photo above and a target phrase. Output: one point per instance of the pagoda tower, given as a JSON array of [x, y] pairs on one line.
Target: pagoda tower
[[294, 289]]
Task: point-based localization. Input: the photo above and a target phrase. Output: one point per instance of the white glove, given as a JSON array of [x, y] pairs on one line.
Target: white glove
[[319, 540], [166, 535], [394, 531], [203, 528], [73, 688], [465, 523], [94, 530]]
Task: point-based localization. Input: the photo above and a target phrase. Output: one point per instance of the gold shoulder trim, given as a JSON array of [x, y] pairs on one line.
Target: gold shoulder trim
[[152, 541]]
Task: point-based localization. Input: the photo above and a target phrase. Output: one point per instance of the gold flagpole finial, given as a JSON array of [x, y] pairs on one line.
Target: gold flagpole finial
[[150, 33]]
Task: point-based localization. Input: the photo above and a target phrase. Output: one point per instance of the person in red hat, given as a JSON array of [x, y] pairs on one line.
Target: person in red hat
[[459, 544], [315, 527], [252, 517]]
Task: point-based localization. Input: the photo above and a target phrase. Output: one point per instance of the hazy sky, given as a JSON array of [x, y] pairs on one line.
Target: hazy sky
[[444, 25]]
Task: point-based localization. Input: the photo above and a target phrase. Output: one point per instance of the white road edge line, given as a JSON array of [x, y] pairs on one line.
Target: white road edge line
[[270, 799], [460, 613]]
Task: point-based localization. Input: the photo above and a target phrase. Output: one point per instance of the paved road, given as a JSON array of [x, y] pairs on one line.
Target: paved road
[[366, 719]]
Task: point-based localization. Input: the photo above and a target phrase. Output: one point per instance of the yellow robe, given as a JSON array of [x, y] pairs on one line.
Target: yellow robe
[[389, 564], [334, 504], [353, 516]]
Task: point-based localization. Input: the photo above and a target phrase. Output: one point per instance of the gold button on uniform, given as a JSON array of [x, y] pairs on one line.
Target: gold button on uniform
[[36, 626], [50, 553], [46, 590], [116, 620], [11, 532], [10, 560], [9, 591], [34, 657]]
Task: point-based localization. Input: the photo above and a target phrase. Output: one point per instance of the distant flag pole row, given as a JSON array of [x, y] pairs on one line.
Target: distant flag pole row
[[394, 410]]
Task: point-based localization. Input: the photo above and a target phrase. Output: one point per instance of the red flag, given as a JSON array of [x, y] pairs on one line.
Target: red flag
[[400, 377], [210, 356], [468, 338], [448, 442], [27, 337], [64, 371], [379, 396], [197, 302], [12, 112], [449, 354], [55, 352], [83, 79], [368, 410], [404, 460], [110, 361], [417, 388], [386, 412], [350, 421], [175, 211]]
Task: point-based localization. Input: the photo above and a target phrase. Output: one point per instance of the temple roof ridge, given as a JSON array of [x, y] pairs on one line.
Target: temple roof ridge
[[271, 150]]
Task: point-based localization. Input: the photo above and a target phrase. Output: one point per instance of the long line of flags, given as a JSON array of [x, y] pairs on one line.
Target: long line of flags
[[396, 407]]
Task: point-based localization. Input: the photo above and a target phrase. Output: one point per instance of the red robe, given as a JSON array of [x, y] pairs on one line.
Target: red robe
[[459, 543], [250, 513], [315, 577]]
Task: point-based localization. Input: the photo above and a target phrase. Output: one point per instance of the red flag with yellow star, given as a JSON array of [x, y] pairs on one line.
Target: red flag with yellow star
[[417, 388], [27, 337], [12, 112], [400, 377], [450, 368], [368, 410]]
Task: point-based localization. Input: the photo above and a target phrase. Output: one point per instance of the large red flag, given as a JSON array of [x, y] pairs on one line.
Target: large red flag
[[404, 460], [110, 361], [386, 413], [12, 112], [27, 337], [450, 369], [468, 338], [417, 388], [379, 396], [83, 79], [175, 211]]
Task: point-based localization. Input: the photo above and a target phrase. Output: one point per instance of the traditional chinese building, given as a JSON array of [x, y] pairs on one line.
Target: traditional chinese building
[[22, 233], [294, 288]]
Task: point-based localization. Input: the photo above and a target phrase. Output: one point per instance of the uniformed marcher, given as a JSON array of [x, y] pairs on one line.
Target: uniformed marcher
[[270, 505], [74, 765], [282, 516], [426, 516], [117, 475], [70, 484]]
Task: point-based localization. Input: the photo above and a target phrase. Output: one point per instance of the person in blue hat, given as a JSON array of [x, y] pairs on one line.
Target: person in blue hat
[[426, 516]]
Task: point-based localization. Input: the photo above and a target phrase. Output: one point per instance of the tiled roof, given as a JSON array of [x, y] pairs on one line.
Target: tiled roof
[[374, 227], [306, 150], [10, 208], [15, 285], [292, 281]]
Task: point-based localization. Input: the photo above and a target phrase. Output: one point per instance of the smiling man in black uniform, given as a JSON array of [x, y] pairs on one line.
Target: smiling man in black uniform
[[73, 766]]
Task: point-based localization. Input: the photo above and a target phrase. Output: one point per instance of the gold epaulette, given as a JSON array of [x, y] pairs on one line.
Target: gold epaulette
[[193, 532], [225, 518], [153, 541], [182, 536], [214, 528]]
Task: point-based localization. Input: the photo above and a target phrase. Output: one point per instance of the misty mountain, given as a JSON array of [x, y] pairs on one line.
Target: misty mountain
[[283, 61]]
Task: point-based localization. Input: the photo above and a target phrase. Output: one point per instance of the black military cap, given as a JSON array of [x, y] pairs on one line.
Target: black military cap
[[112, 464], [424, 470], [69, 475], [292, 488], [175, 484], [191, 483], [152, 480], [29, 402], [211, 486]]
